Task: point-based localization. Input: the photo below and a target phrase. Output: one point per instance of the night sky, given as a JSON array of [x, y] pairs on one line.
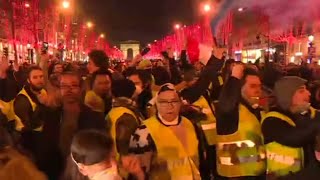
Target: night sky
[[142, 20]]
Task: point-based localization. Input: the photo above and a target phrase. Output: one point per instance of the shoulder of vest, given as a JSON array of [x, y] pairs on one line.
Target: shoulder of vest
[[90, 92], [21, 95], [121, 110], [22, 91], [43, 91], [243, 107], [279, 116], [201, 99], [313, 112], [274, 114], [151, 118]]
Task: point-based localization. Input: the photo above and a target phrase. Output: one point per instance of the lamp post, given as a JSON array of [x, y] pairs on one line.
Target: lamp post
[[311, 48], [89, 24]]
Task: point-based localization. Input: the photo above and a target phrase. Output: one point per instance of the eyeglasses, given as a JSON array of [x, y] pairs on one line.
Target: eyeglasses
[[169, 103], [72, 87]]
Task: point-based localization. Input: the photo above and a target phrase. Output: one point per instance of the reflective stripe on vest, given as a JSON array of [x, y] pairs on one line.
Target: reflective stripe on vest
[[19, 124], [250, 159], [208, 126], [220, 80], [232, 160], [281, 159], [242, 153], [173, 160]]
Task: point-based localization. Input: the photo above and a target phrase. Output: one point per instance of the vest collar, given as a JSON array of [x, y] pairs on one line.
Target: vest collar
[[34, 98], [293, 117], [127, 103], [122, 102], [159, 118], [255, 111]]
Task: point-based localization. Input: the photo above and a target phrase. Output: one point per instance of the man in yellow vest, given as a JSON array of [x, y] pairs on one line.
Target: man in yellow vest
[[201, 112], [30, 112], [240, 150], [123, 119], [167, 144], [290, 128]]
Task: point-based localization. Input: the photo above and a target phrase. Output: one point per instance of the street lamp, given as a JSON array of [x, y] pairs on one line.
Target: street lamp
[[311, 38], [206, 8], [65, 4], [89, 24], [27, 5], [177, 26]]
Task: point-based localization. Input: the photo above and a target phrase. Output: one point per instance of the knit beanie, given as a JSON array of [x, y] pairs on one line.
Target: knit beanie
[[123, 88], [285, 88]]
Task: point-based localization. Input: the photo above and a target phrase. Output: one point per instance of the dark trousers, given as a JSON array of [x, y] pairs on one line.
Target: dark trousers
[[208, 168], [43, 151], [31, 142]]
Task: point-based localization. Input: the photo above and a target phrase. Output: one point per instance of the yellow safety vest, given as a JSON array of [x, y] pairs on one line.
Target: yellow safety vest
[[220, 79], [94, 101], [242, 153], [114, 115], [7, 109], [173, 160], [19, 124], [208, 126], [281, 159]]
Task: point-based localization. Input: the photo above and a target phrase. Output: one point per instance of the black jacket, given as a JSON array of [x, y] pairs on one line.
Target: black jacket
[[11, 85], [208, 75], [301, 136], [23, 109]]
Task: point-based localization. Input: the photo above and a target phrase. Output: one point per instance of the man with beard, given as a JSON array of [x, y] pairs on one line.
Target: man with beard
[[29, 112], [290, 129]]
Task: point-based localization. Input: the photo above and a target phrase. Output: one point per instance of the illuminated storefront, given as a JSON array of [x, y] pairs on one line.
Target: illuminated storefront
[[251, 55]]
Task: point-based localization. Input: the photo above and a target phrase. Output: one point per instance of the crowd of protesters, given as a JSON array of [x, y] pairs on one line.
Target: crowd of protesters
[[163, 119]]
